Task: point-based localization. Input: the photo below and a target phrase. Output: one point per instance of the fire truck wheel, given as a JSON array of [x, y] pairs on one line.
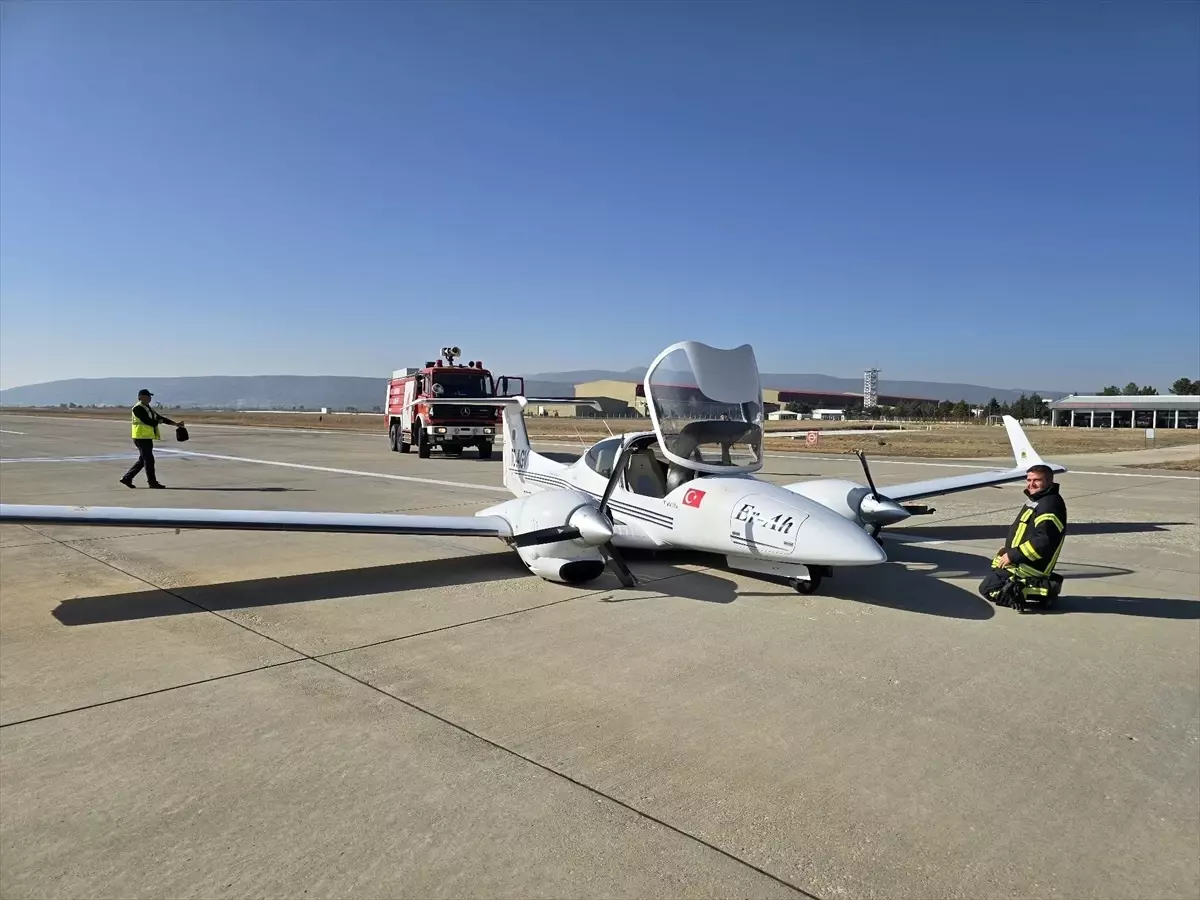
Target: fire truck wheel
[[394, 436], [485, 449], [421, 440]]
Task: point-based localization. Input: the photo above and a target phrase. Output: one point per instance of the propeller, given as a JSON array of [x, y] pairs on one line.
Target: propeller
[[607, 549], [876, 509], [594, 525]]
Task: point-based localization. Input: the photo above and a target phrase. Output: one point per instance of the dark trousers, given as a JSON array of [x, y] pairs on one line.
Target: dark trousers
[[145, 460], [992, 583]]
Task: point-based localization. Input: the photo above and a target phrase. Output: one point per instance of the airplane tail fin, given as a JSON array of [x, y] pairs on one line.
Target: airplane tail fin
[[1022, 449]]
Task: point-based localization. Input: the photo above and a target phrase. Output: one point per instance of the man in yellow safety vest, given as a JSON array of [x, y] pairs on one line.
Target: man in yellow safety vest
[[145, 432]]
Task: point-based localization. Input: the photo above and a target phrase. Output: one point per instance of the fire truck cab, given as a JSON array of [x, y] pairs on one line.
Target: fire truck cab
[[421, 411]]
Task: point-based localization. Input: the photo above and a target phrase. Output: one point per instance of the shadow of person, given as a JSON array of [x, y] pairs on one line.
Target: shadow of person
[[263, 490]]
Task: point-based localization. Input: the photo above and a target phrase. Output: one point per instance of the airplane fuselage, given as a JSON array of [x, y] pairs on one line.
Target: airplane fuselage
[[736, 516]]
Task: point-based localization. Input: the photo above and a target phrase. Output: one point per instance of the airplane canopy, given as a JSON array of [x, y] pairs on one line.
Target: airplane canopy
[[706, 407]]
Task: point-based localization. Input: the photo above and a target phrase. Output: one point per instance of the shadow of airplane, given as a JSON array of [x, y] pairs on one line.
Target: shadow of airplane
[[1146, 607], [952, 564], [891, 586], [950, 532], [469, 569], [265, 592]]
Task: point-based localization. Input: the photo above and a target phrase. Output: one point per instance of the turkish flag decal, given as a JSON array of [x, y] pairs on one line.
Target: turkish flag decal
[[693, 498]]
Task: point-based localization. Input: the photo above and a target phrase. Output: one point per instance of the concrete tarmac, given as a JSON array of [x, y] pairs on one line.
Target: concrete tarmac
[[257, 714]]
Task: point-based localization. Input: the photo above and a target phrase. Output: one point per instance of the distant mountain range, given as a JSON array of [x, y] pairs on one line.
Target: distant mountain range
[[340, 392]]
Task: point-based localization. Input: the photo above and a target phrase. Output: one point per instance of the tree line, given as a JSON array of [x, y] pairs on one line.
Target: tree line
[[1031, 407], [1182, 386]]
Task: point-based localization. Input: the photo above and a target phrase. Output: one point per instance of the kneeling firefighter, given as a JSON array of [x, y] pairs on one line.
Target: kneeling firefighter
[[1026, 561]]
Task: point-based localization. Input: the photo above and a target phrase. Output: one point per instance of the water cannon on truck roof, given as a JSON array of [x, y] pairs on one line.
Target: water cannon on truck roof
[[421, 411]]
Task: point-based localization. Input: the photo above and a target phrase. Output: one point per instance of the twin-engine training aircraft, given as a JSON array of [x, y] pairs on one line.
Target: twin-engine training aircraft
[[687, 484]]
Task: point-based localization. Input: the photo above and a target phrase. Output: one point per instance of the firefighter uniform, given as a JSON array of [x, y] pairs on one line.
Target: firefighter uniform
[[1034, 543], [144, 425]]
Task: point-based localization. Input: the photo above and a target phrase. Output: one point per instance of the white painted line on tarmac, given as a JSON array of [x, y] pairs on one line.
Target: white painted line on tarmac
[[64, 459], [6, 431], [289, 465]]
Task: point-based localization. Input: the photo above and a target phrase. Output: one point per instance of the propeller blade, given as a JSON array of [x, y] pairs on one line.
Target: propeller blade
[[546, 535], [608, 550], [619, 465], [617, 564], [862, 458]]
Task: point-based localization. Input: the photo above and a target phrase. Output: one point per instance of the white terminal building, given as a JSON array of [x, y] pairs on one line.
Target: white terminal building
[[1126, 411]]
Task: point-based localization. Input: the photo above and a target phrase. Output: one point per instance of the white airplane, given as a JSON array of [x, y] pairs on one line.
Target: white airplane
[[687, 484]]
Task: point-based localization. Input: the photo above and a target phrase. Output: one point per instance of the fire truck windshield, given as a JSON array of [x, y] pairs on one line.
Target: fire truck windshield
[[461, 384]]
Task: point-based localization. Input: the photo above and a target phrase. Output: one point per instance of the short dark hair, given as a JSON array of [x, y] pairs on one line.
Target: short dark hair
[[1042, 470]]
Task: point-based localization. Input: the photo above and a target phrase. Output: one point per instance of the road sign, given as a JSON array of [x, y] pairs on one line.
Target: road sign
[[811, 438], [1149, 434]]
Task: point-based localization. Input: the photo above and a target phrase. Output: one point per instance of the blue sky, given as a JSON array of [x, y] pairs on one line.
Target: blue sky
[[1005, 193]]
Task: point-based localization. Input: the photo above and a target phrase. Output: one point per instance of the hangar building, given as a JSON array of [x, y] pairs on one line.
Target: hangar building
[[629, 397], [1126, 411]]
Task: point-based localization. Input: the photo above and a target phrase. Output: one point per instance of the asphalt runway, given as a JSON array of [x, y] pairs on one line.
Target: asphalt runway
[[256, 714]]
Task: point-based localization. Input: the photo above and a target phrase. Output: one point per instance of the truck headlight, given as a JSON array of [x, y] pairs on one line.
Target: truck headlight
[[441, 429], [489, 431]]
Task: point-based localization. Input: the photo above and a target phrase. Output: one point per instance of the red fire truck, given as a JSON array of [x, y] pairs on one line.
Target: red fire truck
[[421, 411]]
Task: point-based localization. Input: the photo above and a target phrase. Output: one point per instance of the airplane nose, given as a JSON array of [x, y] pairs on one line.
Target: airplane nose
[[836, 542]]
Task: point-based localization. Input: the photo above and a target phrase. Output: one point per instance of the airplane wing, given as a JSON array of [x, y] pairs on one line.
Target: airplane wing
[[256, 520], [1023, 454]]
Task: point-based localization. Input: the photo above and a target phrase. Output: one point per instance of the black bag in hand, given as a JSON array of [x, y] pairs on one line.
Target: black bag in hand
[[181, 434]]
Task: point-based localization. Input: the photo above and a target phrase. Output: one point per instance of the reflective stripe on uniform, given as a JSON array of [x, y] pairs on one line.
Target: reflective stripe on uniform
[[1020, 532], [1049, 517]]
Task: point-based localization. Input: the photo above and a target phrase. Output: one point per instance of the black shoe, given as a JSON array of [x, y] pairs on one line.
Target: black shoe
[[158, 486], [128, 483]]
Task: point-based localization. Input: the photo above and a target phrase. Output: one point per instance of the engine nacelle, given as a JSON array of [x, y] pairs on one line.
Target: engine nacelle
[[571, 561], [843, 497], [580, 569], [852, 501]]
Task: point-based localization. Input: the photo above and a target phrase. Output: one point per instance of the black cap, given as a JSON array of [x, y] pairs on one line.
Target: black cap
[[146, 392]]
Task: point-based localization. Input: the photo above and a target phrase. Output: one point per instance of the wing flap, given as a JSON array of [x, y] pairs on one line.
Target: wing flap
[[256, 520]]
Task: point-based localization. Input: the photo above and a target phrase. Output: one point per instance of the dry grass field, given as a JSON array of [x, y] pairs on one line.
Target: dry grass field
[[940, 441], [1177, 465]]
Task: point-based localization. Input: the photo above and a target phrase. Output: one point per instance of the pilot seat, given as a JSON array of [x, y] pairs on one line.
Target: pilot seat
[[646, 474]]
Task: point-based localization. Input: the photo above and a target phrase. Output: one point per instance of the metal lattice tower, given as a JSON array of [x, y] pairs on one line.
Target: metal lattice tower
[[870, 388]]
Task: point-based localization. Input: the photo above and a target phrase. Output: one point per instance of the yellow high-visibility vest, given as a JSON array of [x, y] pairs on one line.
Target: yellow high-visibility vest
[[142, 431]]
